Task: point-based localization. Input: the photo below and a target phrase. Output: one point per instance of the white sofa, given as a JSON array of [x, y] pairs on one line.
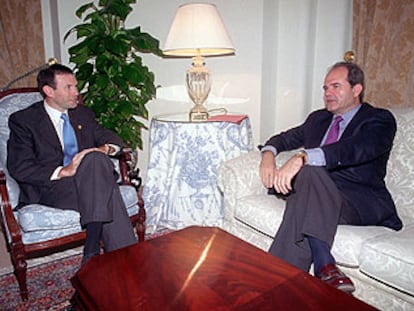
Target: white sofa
[[379, 261]]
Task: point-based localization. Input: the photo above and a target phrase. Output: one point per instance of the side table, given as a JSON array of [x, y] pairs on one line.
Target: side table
[[181, 183]]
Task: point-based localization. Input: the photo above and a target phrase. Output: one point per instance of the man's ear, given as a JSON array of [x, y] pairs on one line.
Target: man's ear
[[357, 89], [48, 90]]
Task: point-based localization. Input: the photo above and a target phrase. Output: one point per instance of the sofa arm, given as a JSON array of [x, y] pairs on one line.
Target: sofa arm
[[239, 177]]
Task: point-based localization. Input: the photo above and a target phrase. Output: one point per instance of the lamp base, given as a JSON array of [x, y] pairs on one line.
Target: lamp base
[[198, 113]]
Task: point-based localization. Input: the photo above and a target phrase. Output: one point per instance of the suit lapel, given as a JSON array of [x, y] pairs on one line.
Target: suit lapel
[[318, 128], [49, 130], [358, 120]]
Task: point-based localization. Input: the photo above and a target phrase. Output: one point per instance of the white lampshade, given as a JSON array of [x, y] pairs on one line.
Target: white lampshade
[[198, 29]]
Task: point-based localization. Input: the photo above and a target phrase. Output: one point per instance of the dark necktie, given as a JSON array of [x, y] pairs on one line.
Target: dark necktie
[[70, 145], [333, 132]]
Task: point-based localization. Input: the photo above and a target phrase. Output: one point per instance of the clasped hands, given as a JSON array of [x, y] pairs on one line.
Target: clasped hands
[[280, 179], [72, 167]]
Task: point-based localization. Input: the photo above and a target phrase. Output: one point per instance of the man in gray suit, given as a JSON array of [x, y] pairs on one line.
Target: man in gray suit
[[337, 178], [58, 154]]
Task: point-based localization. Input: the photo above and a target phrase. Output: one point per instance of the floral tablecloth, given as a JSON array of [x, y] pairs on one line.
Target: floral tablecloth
[[181, 183]]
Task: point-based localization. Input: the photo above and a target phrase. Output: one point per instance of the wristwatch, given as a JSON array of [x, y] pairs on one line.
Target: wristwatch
[[302, 154]]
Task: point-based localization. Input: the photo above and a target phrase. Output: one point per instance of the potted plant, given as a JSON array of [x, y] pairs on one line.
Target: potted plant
[[111, 76]]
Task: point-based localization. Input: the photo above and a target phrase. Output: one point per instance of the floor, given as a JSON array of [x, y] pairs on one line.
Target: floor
[[5, 263]]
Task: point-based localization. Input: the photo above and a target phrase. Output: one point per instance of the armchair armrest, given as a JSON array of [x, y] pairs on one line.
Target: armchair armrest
[[129, 174], [7, 220]]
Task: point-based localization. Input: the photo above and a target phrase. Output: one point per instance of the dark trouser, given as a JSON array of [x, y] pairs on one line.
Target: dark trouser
[[94, 193], [315, 208]]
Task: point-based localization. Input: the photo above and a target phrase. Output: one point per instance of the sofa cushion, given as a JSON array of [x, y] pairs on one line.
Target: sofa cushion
[[265, 213], [390, 259], [349, 240], [262, 212], [35, 217]]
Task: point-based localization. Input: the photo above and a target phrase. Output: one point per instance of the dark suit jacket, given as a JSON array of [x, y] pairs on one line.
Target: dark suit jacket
[[357, 162], [34, 150]]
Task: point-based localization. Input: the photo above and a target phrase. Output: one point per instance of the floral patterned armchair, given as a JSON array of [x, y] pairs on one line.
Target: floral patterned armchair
[[36, 230]]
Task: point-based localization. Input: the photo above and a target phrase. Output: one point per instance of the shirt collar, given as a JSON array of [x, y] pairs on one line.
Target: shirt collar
[[347, 116], [53, 113]]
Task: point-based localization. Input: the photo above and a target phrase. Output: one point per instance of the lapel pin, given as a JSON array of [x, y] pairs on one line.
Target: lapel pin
[[79, 127]]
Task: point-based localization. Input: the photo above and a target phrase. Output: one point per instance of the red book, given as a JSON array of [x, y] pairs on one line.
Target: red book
[[235, 118]]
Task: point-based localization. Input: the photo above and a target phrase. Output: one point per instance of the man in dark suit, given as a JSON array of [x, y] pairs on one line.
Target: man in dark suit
[[338, 178], [69, 171]]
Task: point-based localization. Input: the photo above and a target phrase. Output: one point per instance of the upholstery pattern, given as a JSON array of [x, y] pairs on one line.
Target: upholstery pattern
[[245, 197], [237, 182], [400, 170], [377, 293], [39, 222], [349, 240], [270, 218], [8, 105], [36, 217], [387, 258]]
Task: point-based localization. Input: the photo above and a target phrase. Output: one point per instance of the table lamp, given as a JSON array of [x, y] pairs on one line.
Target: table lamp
[[198, 31]]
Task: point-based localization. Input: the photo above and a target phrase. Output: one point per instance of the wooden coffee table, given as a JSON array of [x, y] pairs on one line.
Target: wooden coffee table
[[201, 268]]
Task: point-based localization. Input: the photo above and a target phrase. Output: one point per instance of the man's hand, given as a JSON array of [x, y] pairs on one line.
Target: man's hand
[[107, 149], [284, 176], [72, 167], [267, 169]]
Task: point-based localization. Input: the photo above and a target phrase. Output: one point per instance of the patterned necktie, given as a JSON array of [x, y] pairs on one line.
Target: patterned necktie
[[70, 145], [333, 133]]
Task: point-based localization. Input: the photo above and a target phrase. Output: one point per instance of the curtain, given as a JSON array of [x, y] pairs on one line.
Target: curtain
[[383, 41], [21, 40]]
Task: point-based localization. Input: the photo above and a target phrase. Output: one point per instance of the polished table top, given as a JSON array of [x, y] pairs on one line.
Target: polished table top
[[202, 268]]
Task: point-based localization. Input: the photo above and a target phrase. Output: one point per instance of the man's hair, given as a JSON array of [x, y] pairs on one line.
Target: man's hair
[[47, 76], [355, 75]]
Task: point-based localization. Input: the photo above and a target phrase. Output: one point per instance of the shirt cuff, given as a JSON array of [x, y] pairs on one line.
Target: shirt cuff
[[315, 157], [269, 148], [55, 175], [115, 149]]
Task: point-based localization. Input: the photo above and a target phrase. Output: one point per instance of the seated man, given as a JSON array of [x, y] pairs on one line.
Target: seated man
[[57, 153], [338, 178]]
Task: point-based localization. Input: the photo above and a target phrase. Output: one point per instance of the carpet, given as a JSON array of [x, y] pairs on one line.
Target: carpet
[[48, 284]]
